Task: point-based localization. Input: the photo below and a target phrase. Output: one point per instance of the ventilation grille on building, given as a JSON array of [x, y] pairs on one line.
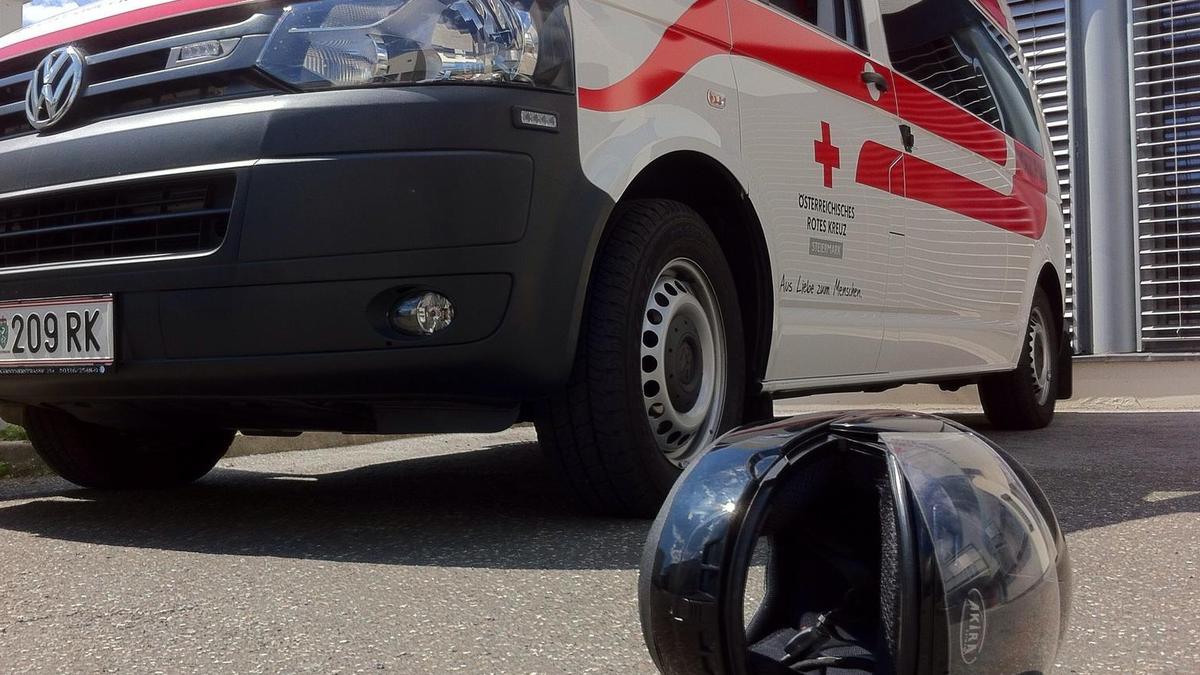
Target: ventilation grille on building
[[1166, 83], [1042, 27]]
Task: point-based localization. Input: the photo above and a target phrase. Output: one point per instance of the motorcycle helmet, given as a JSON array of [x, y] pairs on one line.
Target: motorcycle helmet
[[878, 542]]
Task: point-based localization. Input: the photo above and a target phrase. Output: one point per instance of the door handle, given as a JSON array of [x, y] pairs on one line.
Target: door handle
[[872, 77], [908, 137]]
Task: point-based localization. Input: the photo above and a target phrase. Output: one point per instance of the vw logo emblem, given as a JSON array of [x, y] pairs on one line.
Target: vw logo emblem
[[55, 86]]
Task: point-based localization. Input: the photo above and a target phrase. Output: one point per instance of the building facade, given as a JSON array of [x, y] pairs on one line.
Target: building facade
[[10, 15], [1120, 84]]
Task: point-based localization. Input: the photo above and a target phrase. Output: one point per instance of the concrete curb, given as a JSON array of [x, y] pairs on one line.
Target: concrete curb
[[244, 446], [22, 460], [1137, 383], [1140, 383]]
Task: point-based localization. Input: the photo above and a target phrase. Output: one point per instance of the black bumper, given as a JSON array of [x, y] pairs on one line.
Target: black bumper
[[343, 201]]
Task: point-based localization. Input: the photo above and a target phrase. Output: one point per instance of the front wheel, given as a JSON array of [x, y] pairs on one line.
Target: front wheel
[[1025, 398], [100, 457], [660, 368]]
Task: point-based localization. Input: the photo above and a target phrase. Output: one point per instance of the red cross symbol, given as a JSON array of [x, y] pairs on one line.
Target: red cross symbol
[[827, 154]]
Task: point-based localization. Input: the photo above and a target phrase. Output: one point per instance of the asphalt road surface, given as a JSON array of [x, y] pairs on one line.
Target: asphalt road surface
[[455, 554]]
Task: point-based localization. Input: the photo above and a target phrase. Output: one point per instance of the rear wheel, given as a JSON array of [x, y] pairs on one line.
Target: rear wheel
[[94, 456], [660, 369], [1025, 398]]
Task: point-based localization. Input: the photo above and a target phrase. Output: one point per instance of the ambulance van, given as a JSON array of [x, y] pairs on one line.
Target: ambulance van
[[634, 223]]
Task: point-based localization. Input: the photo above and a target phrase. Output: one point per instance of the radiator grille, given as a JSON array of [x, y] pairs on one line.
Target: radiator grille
[[132, 221], [1166, 82], [130, 70]]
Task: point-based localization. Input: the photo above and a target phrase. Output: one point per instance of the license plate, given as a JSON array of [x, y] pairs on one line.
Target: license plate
[[57, 335]]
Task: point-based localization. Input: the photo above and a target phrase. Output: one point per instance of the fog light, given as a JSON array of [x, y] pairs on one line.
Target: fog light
[[423, 313]]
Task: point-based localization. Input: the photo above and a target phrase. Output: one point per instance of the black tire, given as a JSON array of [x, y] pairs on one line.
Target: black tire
[[100, 457], [597, 432], [1016, 400]]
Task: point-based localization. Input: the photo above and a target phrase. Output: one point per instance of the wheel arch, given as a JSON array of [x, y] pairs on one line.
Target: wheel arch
[[1048, 281], [710, 188]]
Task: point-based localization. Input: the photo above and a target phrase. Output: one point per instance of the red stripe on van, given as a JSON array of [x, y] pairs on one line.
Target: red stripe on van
[[938, 116], [108, 24], [764, 35], [701, 32], [1023, 212]]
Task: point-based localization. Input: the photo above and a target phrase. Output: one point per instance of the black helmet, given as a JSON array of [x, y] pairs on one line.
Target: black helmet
[[892, 543]]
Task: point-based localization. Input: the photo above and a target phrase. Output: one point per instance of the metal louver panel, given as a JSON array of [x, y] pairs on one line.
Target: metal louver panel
[[1042, 31], [1166, 90]]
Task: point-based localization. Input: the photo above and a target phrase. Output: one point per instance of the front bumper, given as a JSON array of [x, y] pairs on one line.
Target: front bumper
[[343, 200]]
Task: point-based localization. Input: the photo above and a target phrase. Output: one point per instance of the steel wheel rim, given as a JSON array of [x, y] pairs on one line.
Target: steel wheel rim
[[683, 361], [1041, 357]]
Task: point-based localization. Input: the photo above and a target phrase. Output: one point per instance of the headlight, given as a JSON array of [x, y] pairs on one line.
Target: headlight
[[355, 43]]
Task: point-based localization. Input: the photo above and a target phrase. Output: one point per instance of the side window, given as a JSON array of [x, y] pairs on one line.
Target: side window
[[924, 41], [839, 18], [952, 49], [1017, 111]]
